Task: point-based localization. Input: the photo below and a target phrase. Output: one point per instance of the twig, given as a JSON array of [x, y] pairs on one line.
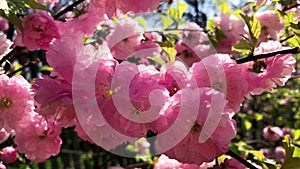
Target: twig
[[240, 159], [67, 9], [37, 61], [137, 165], [286, 38], [266, 55], [291, 7], [11, 54]]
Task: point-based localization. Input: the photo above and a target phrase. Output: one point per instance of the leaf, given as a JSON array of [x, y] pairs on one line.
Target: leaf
[[224, 7], [141, 21], [158, 60], [166, 22], [181, 8], [247, 124], [3, 5], [254, 27], [169, 49], [294, 41], [243, 46], [290, 162], [36, 5]]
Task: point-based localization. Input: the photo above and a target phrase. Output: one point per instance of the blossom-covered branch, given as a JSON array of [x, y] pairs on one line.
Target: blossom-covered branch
[[266, 55]]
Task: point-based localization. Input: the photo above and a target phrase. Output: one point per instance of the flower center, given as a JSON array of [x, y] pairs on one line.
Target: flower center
[[196, 128], [259, 66], [5, 103]]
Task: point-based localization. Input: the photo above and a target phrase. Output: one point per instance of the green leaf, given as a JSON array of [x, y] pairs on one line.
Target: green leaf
[[258, 116], [36, 5], [181, 8], [46, 68], [3, 5], [141, 21], [224, 7], [294, 41], [158, 60], [169, 50], [290, 162], [254, 27], [247, 124], [166, 22], [243, 46]]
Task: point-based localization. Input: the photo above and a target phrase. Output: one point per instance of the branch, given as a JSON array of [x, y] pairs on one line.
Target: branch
[[11, 54], [37, 61], [240, 159], [67, 9], [266, 55], [294, 6]]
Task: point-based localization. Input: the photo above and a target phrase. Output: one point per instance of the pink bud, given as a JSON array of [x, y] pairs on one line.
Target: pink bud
[[8, 155]]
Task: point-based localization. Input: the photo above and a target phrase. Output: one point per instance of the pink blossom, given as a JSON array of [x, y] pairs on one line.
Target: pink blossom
[[39, 30], [271, 25], [164, 162], [118, 7], [4, 45], [3, 24], [174, 76], [125, 37], [232, 163], [194, 44], [16, 101], [232, 27], [54, 100], [93, 15], [272, 133], [222, 73], [280, 154], [202, 142], [66, 49], [3, 135], [8, 155], [38, 139], [266, 74], [148, 46], [2, 166], [138, 98]]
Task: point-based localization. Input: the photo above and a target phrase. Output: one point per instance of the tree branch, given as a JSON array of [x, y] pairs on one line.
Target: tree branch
[[67, 9], [240, 159], [266, 55]]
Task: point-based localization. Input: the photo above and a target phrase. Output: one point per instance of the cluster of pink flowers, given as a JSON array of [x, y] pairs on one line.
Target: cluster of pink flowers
[[188, 103]]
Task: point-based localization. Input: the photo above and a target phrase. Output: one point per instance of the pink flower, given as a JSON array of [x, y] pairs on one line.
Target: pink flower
[[280, 154], [118, 7], [39, 30], [164, 162], [203, 138], [4, 45], [2, 166], [93, 16], [126, 36], [67, 50], [137, 100], [266, 74], [232, 27], [8, 155], [38, 139], [194, 44], [272, 133], [271, 24], [222, 73], [54, 100], [175, 76], [16, 101], [232, 163], [3, 24]]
